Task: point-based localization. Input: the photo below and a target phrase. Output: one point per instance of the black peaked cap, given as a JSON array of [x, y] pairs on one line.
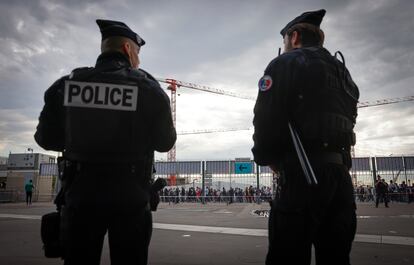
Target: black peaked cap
[[311, 17], [111, 28]]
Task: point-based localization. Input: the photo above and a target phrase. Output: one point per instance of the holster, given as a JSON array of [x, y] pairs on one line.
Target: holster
[[51, 222], [155, 186], [49, 231], [158, 185]]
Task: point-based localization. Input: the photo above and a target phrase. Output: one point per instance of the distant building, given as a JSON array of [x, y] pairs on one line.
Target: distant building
[[3, 160], [3, 172], [24, 167], [28, 161]]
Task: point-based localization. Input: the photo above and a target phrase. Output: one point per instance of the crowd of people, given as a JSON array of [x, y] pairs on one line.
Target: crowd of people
[[382, 191], [194, 194], [385, 192]]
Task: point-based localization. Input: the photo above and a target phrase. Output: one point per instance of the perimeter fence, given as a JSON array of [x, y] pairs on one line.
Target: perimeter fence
[[242, 174], [239, 180]]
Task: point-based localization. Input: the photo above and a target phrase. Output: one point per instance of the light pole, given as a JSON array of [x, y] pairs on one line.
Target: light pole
[[392, 170], [230, 172]]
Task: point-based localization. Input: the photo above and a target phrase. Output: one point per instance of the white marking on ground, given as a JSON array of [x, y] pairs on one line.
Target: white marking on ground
[[377, 239], [260, 213], [223, 211], [20, 216], [184, 210], [212, 229], [402, 216], [391, 216]]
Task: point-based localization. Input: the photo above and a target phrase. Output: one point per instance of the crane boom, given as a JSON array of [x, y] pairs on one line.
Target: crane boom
[[363, 104], [204, 88], [384, 102], [212, 131], [174, 84]]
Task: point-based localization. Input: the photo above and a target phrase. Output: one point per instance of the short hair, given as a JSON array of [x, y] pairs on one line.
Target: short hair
[[114, 43], [309, 35]]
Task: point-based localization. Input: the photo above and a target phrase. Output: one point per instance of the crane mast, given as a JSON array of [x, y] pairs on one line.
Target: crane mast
[[171, 155]]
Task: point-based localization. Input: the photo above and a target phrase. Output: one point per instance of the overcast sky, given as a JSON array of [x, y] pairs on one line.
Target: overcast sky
[[222, 44]]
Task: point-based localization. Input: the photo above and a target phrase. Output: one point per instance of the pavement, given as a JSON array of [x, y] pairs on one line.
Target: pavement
[[216, 234]]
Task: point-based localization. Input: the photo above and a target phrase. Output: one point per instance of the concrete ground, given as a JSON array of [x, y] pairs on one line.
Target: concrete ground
[[216, 233]]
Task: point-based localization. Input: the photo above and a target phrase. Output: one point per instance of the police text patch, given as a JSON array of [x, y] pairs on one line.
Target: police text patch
[[265, 83], [101, 95]]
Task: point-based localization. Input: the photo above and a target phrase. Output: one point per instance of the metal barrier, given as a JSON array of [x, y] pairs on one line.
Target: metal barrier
[[393, 197], [224, 173], [8, 195], [216, 199], [241, 174]]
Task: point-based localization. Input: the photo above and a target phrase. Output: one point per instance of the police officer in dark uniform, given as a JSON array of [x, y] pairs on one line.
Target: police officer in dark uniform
[[381, 190], [107, 120], [313, 91]]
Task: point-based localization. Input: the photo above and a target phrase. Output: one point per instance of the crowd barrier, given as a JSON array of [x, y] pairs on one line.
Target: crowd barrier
[[17, 196]]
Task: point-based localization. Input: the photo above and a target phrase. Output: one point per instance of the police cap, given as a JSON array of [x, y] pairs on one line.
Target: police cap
[[311, 17], [111, 28]]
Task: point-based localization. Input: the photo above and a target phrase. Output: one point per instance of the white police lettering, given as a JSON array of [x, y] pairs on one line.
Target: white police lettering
[[101, 95]]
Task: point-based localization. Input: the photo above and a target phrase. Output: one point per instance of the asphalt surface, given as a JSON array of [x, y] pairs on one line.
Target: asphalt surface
[[216, 233]]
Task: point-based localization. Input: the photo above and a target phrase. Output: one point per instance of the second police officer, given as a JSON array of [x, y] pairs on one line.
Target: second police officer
[[313, 91], [107, 120]]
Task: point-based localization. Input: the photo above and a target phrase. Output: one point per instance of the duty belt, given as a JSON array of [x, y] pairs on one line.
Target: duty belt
[[325, 158], [318, 158], [110, 168]]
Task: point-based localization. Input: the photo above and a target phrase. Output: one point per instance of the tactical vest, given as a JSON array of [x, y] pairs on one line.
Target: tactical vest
[[324, 101], [102, 117]]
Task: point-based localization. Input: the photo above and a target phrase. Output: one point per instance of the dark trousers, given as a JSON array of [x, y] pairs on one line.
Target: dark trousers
[[129, 235], [322, 216], [381, 196], [100, 202], [28, 197]]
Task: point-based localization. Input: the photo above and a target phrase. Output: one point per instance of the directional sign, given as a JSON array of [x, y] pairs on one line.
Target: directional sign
[[243, 167]]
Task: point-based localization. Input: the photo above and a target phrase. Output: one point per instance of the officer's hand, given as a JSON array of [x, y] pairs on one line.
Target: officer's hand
[[158, 185], [154, 200]]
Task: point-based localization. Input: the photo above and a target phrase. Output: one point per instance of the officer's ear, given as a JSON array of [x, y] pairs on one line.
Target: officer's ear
[[126, 48], [295, 39]]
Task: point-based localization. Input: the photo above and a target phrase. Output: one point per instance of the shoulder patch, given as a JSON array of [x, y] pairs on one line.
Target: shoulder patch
[[265, 83]]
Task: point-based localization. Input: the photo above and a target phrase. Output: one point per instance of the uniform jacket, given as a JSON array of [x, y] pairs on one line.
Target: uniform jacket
[[287, 80], [98, 134]]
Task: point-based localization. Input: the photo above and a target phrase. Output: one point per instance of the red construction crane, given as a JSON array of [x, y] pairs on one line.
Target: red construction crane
[[213, 131], [373, 103], [174, 84], [171, 155]]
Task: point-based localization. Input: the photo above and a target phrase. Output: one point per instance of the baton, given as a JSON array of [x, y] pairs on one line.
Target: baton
[[303, 158]]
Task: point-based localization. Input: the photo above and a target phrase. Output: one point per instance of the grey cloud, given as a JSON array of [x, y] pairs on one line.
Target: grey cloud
[[386, 129], [14, 11], [216, 146], [16, 130], [224, 44], [377, 38]]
